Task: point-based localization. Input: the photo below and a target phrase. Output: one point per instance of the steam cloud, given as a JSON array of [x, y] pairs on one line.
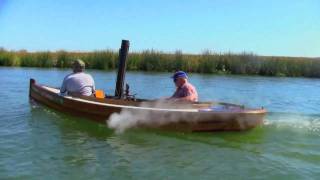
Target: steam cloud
[[129, 118]]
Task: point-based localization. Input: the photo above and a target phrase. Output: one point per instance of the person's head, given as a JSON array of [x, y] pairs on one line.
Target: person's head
[[78, 66], [179, 78]]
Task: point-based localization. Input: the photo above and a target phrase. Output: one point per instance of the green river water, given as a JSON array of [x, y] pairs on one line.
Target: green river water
[[39, 143]]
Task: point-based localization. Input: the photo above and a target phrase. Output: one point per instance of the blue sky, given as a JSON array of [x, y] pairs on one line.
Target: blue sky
[[265, 27]]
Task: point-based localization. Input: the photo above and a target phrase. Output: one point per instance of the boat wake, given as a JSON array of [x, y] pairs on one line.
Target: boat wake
[[310, 122]]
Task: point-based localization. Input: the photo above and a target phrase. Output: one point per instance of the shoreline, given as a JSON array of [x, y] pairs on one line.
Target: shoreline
[[157, 61]]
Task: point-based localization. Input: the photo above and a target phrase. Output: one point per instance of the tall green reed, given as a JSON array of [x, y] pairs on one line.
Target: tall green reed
[[152, 60]]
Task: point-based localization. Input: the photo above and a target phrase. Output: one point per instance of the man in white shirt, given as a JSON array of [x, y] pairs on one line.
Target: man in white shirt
[[78, 83]]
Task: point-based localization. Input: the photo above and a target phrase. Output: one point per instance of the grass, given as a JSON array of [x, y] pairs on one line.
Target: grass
[[152, 60]]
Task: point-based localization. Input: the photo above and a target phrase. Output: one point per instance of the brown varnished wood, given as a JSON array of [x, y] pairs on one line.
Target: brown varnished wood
[[184, 121]]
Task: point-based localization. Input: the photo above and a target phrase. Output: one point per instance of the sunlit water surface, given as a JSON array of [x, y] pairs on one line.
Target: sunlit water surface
[[39, 143]]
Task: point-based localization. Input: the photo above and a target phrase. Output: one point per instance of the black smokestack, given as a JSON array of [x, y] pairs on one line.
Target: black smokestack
[[123, 53]]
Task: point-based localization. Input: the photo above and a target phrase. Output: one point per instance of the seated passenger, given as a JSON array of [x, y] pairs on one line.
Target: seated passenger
[[185, 91], [78, 83]]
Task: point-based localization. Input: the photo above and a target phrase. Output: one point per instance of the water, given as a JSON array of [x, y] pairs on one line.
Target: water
[[37, 142]]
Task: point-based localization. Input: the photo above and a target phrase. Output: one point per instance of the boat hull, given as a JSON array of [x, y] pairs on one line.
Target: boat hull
[[101, 110]]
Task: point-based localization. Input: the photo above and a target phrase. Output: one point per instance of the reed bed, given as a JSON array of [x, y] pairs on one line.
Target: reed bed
[[152, 60]]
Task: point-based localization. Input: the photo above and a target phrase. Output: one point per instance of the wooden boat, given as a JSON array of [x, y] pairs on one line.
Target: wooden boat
[[164, 115]]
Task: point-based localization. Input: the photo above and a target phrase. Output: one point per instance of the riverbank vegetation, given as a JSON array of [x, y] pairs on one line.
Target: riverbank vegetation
[[151, 60]]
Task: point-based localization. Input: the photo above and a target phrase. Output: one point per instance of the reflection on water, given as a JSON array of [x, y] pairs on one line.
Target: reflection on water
[[36, 141]]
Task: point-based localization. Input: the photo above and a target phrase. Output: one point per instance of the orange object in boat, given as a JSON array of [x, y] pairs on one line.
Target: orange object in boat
[[100, 94]]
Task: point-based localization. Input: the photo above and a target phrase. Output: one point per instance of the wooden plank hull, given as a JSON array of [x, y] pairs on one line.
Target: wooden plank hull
[[147, 115]]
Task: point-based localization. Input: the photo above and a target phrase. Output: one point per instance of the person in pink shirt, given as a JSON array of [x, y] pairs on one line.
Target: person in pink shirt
[[184, 90]]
